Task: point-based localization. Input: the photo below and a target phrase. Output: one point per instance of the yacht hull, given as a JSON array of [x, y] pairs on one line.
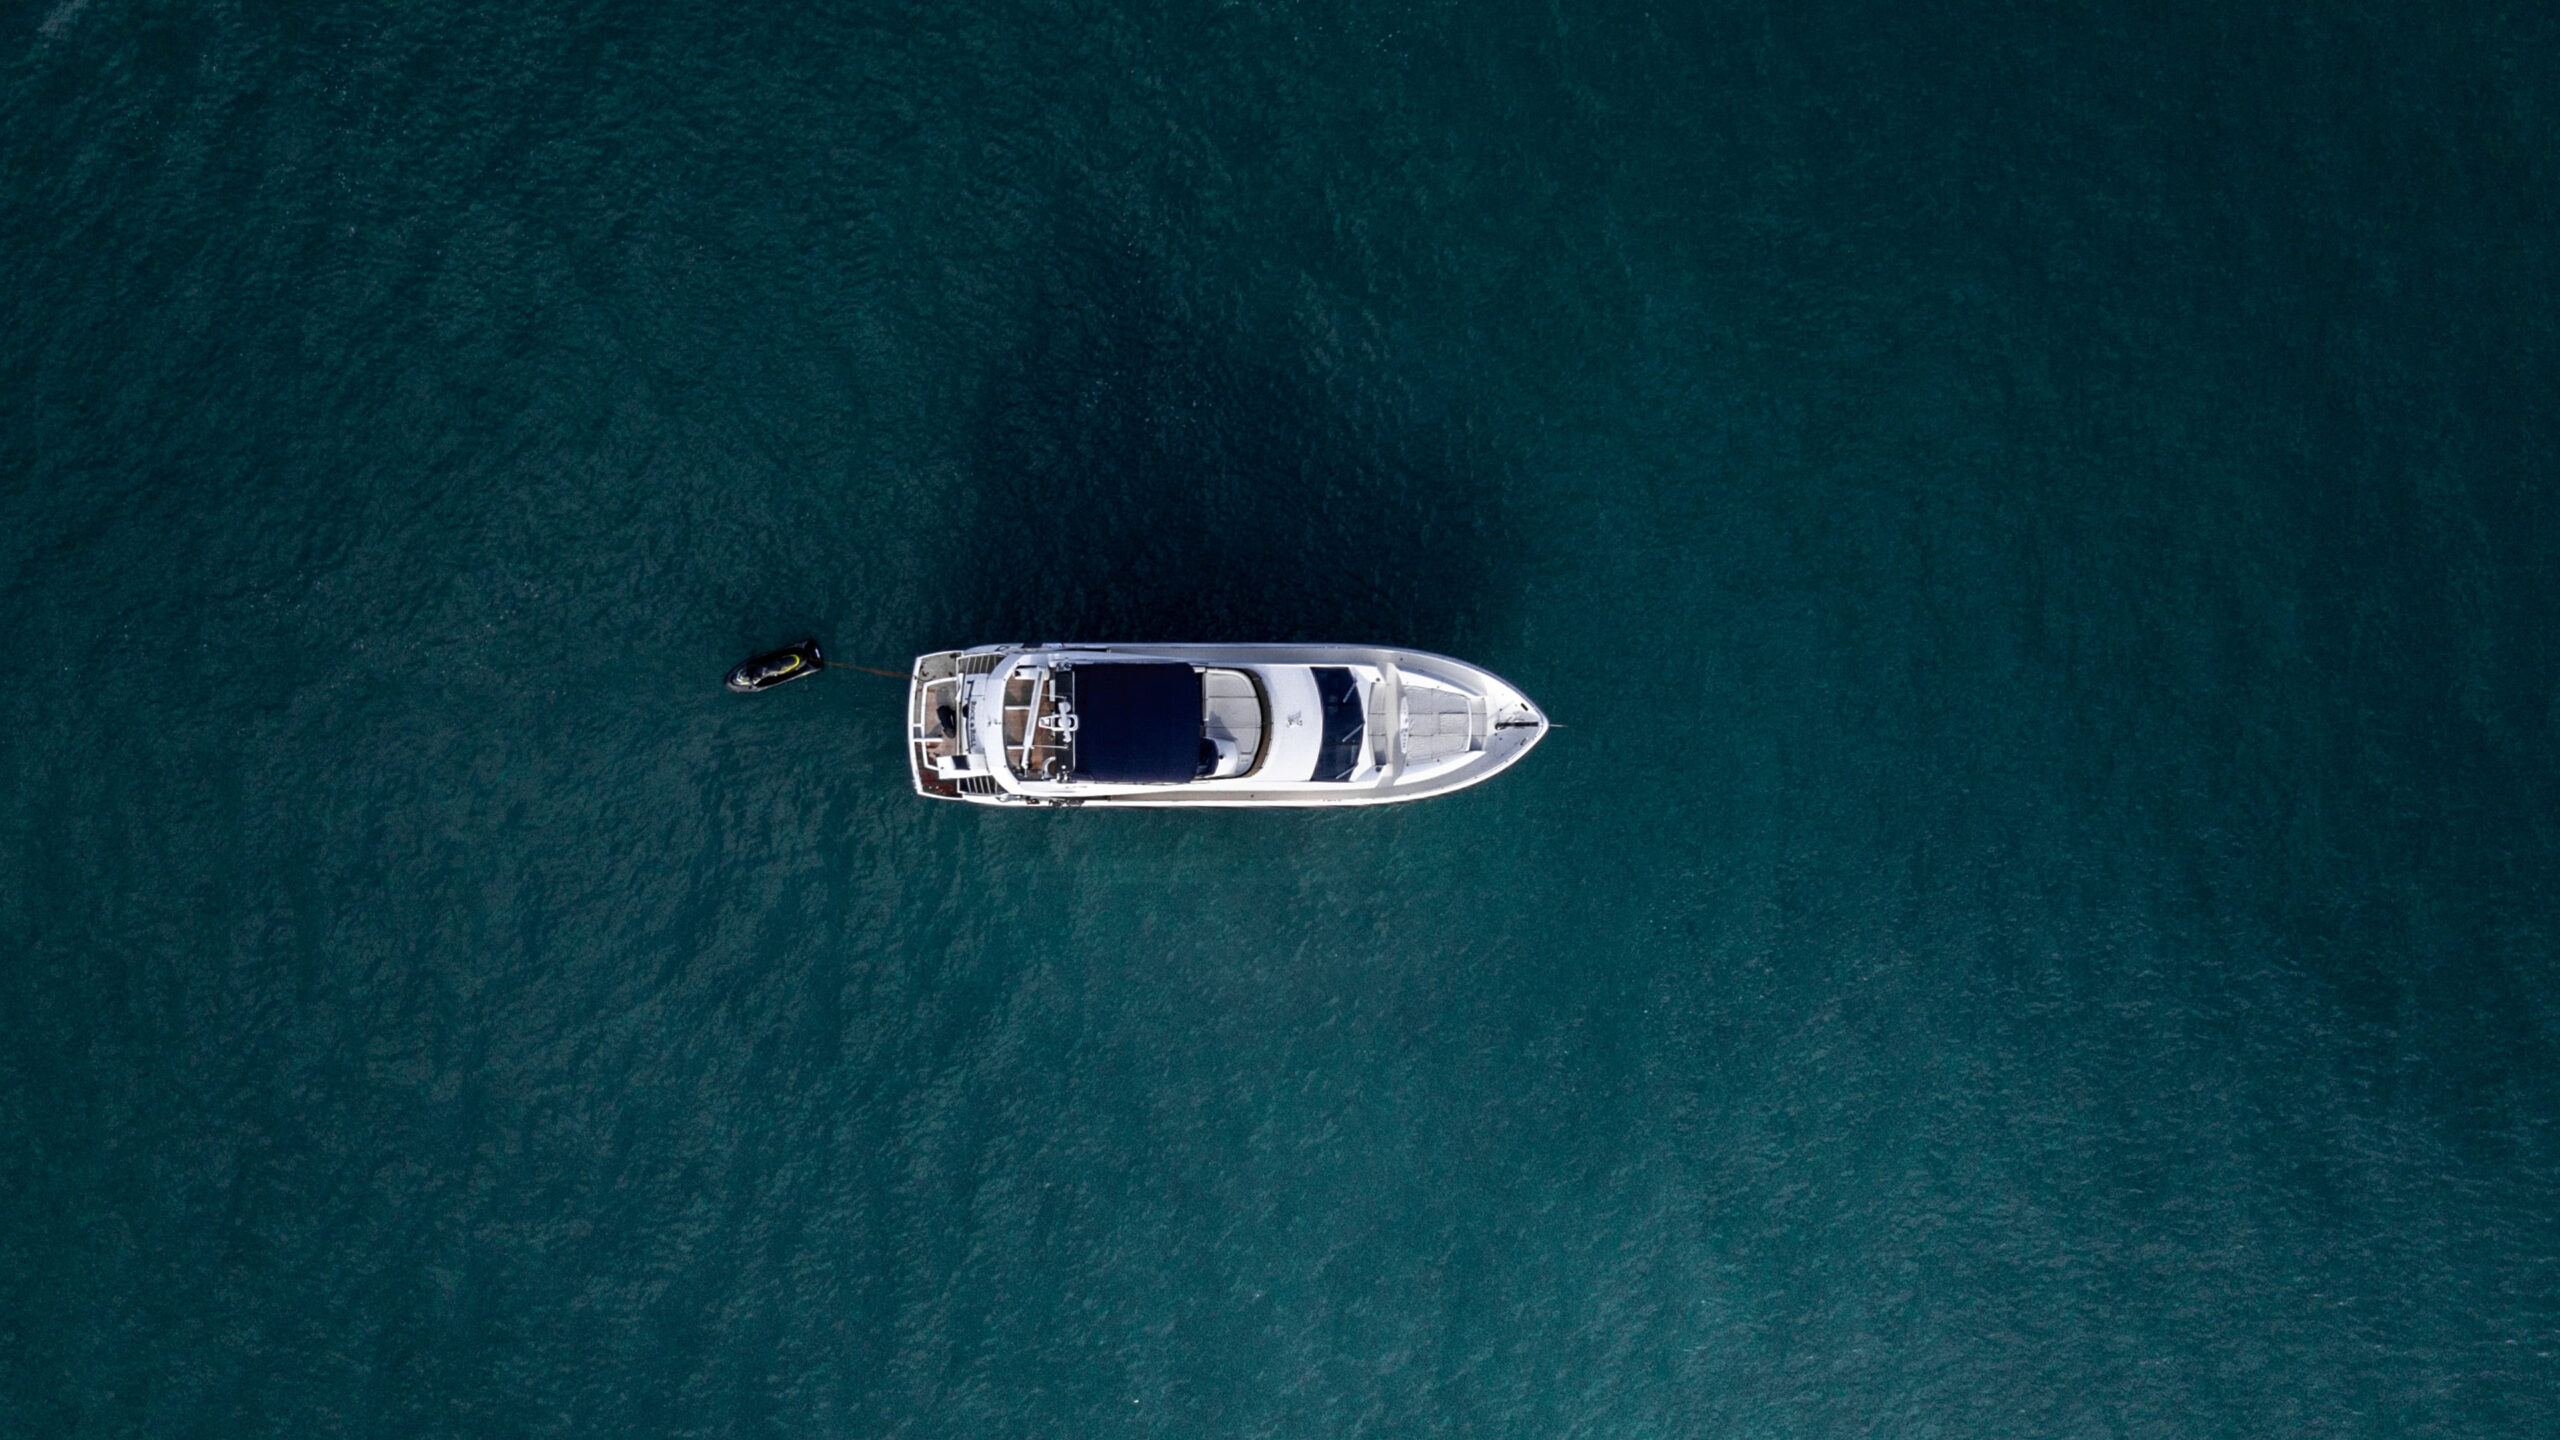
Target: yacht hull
[[1298, 726]]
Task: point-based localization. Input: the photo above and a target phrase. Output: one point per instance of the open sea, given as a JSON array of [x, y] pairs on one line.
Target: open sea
[[2041, 521]]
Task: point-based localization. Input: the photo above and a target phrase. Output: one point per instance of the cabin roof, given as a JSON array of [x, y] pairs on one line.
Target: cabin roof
[[1137, 723]]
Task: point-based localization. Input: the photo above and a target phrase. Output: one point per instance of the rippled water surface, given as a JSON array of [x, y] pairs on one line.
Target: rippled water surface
[[2040, 521]]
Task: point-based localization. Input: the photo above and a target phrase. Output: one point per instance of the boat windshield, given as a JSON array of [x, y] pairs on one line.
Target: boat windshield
[[1346, 723]]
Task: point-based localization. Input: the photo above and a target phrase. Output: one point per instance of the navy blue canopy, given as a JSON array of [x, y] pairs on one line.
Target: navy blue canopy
[[1137, 723]]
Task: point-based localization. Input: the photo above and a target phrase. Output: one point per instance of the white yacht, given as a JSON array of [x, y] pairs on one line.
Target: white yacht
[[1127, 725]]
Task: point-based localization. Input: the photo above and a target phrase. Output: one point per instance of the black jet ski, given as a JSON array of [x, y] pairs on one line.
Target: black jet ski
[[776, 667]]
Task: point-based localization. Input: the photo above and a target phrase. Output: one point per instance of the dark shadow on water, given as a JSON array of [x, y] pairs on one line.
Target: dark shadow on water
[[1142, 473]]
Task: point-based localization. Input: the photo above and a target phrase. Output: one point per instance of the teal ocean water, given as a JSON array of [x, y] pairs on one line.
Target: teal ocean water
[[2040, 521]]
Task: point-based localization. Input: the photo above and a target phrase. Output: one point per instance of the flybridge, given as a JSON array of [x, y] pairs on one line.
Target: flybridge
[[1217, 725]]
